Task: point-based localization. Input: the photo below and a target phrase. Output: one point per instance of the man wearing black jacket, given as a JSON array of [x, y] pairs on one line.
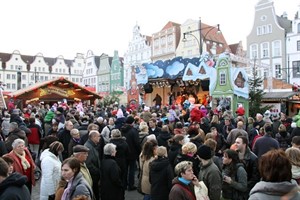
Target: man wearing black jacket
[[132, 138]]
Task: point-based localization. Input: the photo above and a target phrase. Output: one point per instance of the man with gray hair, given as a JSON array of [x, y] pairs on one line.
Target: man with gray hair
[[111, 176], [14, 133], [93, 160]]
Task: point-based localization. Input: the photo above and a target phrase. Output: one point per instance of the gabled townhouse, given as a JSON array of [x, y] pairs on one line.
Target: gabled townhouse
[[116, 74], [89, 76], [103, 75]]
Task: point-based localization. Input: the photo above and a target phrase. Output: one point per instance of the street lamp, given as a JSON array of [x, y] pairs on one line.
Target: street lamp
[[210, 28]]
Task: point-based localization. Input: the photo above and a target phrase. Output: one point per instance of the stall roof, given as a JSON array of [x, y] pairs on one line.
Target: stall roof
[[60, 80], [279, 95]]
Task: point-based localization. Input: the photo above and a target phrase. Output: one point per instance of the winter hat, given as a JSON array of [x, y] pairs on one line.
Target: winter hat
[[129, 120], [204, 152]]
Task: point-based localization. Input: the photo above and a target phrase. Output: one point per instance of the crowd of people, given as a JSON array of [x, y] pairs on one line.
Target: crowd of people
[[86, 152]]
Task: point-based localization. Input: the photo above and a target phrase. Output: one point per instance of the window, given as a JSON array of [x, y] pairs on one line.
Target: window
[[265, 50], [298, 28], [46, 78], [7, 76], [222, 78], [298, 45], [253, 51], [258, 30], [269, 31], [23, 85], [278, 71], [296, 67], [8, 86], [23, 77], [276, 48], [13, 86]]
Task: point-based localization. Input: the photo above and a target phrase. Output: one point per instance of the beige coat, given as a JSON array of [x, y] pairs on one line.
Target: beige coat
[[145, 166]]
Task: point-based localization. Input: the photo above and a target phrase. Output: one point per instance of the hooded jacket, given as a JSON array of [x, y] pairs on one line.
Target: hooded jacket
[[274, 191], [13, 188]]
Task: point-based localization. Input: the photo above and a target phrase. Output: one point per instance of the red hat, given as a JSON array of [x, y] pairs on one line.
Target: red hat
[[173, 107]]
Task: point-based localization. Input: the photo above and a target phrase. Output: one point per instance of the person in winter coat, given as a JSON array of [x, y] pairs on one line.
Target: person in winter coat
[[75, 140], [14, 133], [161, 175], [24, 164], [163, 137], [210, 173], [293, 155], [283, 137], [144, 132], [188, 153], [132, 138], [76, 184], [51, 168], [183, 184], [122, 153], [112, 187], [176, 143], [148, 154], [234, 184], [35, 136], [5, 125], [276, 175], [12, 186], [106, 131]]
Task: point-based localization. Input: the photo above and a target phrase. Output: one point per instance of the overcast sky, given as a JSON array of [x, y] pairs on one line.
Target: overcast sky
[[67, 27]]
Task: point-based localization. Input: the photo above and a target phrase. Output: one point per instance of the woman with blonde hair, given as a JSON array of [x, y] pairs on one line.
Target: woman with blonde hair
[[188, 153], [148, 154], [293, 155], [144, 132]]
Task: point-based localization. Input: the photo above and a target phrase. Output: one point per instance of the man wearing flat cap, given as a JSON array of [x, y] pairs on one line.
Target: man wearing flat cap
[[81, 153]]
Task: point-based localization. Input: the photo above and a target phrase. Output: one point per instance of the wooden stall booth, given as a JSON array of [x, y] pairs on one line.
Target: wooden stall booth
[[52, 91]]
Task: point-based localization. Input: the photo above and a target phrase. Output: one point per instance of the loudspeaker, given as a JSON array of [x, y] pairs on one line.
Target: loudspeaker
[[148, 88]]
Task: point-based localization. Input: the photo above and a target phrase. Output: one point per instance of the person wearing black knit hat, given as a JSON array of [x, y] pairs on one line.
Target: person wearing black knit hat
[[210, 173]]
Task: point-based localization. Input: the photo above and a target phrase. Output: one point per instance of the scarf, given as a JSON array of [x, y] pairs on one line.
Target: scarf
[[66, 194], [184, 181], [24, 162]]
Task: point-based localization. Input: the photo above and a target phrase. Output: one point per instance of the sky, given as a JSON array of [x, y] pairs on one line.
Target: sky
[[68, 27]]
